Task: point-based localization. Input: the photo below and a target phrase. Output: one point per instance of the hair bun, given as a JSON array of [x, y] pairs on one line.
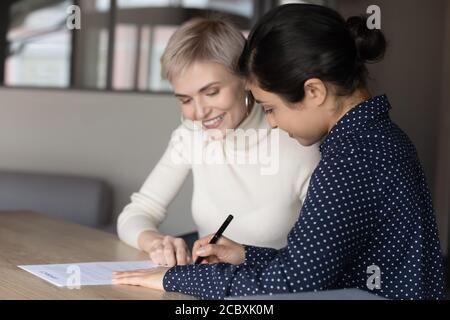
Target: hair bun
[[370, 43]]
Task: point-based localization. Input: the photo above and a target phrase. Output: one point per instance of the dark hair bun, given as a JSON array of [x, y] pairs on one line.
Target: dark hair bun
[[370, 43]]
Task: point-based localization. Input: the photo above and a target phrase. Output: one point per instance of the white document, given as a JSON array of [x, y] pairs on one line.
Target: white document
[[83, 274]]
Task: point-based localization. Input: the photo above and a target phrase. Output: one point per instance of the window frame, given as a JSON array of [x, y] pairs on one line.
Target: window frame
[[159, 16]]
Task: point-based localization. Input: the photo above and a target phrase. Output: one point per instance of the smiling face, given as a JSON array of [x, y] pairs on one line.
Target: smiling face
[[307, 121], [209, 93]]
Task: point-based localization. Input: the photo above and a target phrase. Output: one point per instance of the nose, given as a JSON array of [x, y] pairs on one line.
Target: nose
[[271, 122], [199, 111]]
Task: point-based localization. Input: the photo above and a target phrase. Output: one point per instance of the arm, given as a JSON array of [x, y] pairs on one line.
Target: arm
[[326, 234], [138, 223]]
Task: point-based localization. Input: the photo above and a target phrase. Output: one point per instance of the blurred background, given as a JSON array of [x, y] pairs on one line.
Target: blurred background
[[84, 112]]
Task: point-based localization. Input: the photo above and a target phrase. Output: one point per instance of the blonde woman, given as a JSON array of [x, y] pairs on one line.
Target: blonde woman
[[240, 165]]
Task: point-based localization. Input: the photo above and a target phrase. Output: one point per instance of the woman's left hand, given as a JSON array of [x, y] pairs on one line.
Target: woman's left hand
[[150, 278]]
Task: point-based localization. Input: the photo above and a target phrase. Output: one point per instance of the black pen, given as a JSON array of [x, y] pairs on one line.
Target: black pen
[[216, 237]]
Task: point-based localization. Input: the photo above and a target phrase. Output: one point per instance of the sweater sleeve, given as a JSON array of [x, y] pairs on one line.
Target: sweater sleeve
[[327, 233], [148, 207]]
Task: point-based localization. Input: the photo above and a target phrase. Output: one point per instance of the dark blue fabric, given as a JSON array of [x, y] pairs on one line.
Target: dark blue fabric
[[368, 208], [190, 238]]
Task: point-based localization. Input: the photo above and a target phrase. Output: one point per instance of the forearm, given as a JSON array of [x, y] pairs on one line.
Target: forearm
[[148, 207], [258, 256], [131, 225], [217, 281]]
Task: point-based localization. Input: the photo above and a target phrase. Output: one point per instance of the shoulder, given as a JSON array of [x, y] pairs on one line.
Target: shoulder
[[351, 164]]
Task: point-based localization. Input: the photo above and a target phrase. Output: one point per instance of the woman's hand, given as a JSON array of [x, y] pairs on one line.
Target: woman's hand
[[165, 250], [149, 278], [225, 250]]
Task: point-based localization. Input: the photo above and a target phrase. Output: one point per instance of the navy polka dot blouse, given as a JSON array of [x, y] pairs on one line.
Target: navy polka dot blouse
[[368, 209]]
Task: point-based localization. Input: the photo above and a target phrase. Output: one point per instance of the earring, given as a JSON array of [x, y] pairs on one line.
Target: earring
[[247, 103], [182, 119]]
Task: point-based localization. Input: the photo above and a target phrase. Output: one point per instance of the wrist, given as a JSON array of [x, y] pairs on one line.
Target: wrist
[[242, 253], [147, 240]]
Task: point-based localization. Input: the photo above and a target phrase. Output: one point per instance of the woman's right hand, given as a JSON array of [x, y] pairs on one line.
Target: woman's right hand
[[225, 250], [165, 250]]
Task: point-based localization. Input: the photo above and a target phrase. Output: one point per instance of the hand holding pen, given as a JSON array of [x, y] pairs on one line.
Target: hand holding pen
[[215, 248]]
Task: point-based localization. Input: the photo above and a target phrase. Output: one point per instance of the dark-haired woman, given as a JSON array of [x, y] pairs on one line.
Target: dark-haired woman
[[367, 221]]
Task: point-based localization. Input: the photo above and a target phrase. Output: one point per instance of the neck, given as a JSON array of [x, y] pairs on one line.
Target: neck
[[345, 104], [248, 111]]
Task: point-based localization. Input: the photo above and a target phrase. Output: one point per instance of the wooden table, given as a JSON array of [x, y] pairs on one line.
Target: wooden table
[[32, 238]]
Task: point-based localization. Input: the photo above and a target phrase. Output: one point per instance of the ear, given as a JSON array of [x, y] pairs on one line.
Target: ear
[[315, 91]]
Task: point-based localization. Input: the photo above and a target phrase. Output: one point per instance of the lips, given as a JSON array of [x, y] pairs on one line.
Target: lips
[[214, 122]]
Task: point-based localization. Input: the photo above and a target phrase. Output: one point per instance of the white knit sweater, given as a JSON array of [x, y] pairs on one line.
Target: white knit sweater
[[264, 195]]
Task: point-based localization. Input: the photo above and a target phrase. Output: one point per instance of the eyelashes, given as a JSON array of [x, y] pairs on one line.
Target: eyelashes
[[268, 111], [210, 94]]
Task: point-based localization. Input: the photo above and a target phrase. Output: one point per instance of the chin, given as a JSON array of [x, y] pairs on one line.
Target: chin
[[303, 142]]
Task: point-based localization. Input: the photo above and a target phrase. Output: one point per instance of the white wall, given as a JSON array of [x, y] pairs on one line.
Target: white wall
[[117, 137]]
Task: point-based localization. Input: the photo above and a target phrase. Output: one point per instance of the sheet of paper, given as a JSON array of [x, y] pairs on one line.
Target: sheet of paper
[[83, 274]]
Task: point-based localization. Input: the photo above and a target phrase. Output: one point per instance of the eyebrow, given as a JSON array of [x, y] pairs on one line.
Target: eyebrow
[[259, 102], [179, 95]]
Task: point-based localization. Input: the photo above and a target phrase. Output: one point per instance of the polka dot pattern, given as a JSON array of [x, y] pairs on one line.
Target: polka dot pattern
[[367, 204]]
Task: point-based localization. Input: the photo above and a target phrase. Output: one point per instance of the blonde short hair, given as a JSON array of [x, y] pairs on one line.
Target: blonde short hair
[[202, 39]]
